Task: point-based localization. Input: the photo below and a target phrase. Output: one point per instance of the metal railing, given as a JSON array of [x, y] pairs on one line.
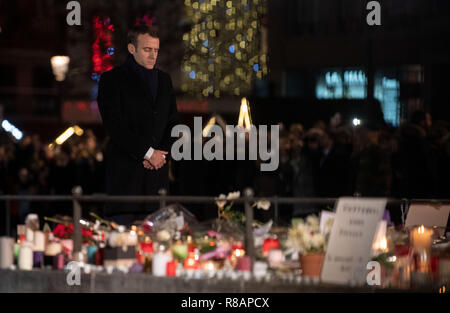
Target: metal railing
[[248, 198]]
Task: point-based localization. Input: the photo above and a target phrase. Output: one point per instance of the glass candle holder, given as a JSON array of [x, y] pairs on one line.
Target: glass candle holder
[[421, 238]]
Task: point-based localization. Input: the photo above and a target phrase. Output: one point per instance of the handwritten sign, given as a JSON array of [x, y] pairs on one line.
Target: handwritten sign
[[350, 244]]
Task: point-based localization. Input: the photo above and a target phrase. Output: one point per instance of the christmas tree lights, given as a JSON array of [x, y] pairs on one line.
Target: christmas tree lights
[[223, 51]]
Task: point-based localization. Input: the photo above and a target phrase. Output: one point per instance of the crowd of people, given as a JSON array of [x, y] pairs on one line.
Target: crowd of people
[[32, 167], [327, 160]]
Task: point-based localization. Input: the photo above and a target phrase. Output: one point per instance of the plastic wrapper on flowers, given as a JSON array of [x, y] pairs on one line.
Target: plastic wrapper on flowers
[[172, 218], [229, 229], [215, 238]]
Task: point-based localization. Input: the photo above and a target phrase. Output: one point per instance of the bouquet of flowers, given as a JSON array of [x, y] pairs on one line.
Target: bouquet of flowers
[[306, 237], [64, 229], [225, 203]]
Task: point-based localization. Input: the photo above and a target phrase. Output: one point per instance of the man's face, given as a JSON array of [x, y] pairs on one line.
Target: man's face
[[146, 51]]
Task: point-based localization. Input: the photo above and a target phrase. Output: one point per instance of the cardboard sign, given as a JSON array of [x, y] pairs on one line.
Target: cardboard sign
[[428, 215], [350, 244]]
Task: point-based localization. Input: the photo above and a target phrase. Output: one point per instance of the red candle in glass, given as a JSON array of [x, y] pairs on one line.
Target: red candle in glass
[[145, 248], [270, 243], [100, 256], [243, 264], [435, 267], [237, 250], [171, 268], [191, 262]]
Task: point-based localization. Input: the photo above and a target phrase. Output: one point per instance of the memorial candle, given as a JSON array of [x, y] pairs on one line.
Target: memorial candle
[[26, 256], [421, 242], [268, 244], [421, 238], [171, 268], [6, 252], [191, 262], [160, 260], [238, 250]]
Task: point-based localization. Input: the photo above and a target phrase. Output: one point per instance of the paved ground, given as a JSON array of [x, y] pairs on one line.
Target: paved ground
[[47, 281]]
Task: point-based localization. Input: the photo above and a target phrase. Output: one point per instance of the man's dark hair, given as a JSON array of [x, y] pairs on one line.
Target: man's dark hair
[[137, 30]]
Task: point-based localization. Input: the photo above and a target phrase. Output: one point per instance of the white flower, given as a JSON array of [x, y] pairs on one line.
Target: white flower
[[306, 237], [222, 203], [302, 228], [263, 204], [163, 235], [233, 195], [313, 221], [318, 240]]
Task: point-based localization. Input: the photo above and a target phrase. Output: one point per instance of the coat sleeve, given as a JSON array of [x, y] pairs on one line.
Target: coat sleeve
[[115, 126], [173, 119]]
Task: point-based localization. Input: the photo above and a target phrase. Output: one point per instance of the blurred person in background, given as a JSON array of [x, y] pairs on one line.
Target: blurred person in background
[[416, 166], [373, 167]]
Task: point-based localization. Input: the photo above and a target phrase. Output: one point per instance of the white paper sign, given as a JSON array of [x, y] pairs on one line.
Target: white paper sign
[[350, 244], [325, 217], [428, 215]]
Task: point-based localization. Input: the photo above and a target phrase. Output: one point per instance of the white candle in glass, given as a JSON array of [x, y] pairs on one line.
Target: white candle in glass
[[39, 241], [30, 235], [6, 252], [421, 238], [26, 256], [159, 263]]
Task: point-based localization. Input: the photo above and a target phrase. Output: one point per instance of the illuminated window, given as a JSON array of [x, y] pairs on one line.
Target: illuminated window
[[338, 84], [387, 91], [352, 84]]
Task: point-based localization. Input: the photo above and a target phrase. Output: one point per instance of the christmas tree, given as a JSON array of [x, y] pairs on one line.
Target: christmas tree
[[223, 48]]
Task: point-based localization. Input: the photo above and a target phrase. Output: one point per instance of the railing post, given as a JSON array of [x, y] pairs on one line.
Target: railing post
[[162, 192], [275, 210], [76, 191], [249, 242]]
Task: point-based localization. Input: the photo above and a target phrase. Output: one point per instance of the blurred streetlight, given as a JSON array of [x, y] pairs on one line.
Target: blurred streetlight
[[67, 134], [60, 66], [356, 122], [7, 126]]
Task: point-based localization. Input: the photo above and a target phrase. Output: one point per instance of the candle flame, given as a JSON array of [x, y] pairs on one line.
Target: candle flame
[[244, 119], [383, 244]]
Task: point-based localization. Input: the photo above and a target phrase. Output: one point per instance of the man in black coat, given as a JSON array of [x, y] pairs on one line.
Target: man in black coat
[[138, 107]]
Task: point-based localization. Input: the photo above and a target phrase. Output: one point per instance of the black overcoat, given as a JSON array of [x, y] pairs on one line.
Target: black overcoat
[[134, 122]]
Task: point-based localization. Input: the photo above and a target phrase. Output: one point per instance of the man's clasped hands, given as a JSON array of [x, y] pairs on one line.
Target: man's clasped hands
[[156, 161]]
